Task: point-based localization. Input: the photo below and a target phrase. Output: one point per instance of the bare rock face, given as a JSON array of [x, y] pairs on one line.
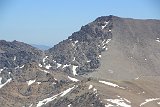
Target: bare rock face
[[14, 54], [13, 58], [83, 48], [110, 62]]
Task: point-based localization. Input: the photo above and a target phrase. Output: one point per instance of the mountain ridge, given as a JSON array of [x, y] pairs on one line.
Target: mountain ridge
[[111, 61], [41, 47]]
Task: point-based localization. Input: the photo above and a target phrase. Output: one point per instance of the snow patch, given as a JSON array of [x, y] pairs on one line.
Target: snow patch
[[44, 59], [137, 78], [53, 83], [14, 58], [104, 43], [73, 44], [54, 61], [31, 105], [104, 47], [59, 65], [89, 61], [74, 70], [122, 102], [158, 103], [109, 105], [47, 100], [90, 87], [1, 70], [30, 82], [100, 56], [9, 80], [55, 79], [158, 40], [95, 90], [40, 65], [0, 80], [108, 40], [66, 91], [97, 95], [22, 66], [149, 100], [16, 67], [76, 41], [45, 71], [48, 66], [19, 67], [38, 83], [74, 59], [69, 105], [105, 24], [110, 84], [73, 79], [66, 65], [126, 100], [118, 96]]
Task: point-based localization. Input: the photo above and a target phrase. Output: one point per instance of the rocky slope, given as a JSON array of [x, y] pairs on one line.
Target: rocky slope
[[110, 62], [82, 50], [133, 51], [16, 54]]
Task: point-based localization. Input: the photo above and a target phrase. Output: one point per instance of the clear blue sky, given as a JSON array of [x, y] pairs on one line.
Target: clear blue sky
[[50, 21]]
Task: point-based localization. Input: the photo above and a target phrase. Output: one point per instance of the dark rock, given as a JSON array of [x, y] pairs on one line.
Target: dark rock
[[82, 46]]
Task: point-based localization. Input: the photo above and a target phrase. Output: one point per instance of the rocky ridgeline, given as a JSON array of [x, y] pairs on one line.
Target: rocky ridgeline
[[16, 54], [81, 52], [33, 78], [25, 66], [13, 58], [77, 55]]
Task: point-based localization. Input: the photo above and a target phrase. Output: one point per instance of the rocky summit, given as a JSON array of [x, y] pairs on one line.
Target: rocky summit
[[110, 62]]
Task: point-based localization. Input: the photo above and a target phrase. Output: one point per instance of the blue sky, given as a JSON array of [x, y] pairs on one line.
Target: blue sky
[[50, 21]]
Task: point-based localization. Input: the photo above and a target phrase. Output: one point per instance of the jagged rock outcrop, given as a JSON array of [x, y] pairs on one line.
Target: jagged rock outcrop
[[83, 48]]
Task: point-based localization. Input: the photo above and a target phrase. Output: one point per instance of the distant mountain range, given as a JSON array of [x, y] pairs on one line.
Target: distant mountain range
[[42, 47], [110, 62]]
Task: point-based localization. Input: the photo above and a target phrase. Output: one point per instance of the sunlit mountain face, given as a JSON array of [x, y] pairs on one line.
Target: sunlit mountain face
[[110, 62]]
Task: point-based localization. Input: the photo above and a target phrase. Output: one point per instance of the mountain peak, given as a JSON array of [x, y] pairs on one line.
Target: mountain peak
[[106, 63]]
